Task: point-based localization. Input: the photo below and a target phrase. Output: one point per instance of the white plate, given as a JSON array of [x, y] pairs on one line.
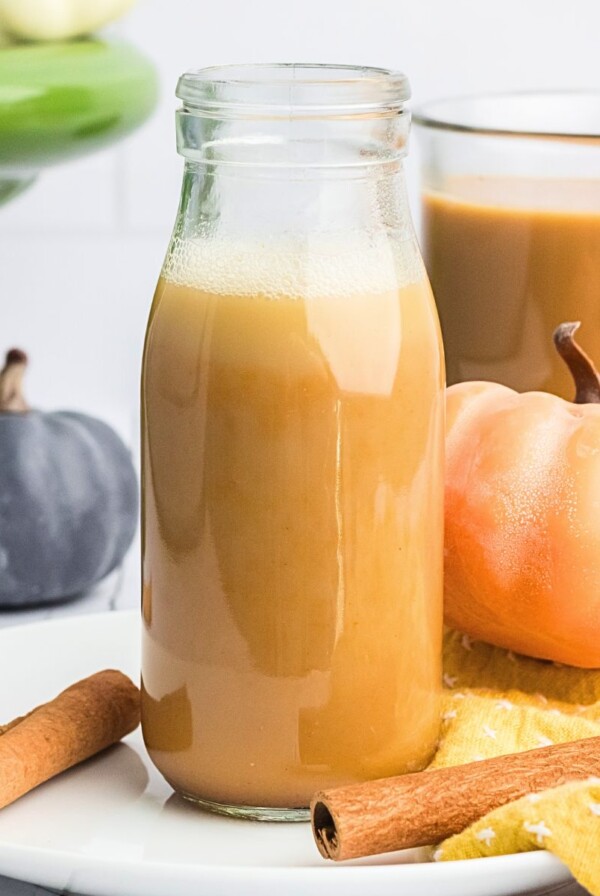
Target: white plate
[[112, 827]]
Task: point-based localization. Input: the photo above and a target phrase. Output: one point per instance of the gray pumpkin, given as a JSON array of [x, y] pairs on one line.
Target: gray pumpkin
[[68, 498]]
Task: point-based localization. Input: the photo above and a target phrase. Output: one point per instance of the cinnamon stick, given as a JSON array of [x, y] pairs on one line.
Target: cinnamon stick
[[86, 718], [426, 807]]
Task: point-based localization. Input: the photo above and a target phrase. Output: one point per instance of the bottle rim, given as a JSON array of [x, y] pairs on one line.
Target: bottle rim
[[293, 90], [542, 114]]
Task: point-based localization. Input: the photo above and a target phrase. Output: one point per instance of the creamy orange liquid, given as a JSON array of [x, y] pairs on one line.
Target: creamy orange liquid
[[509, 259], [292, 528]]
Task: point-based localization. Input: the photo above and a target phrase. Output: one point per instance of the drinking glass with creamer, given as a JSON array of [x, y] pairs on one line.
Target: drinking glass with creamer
[[511, 231], [293, 427]]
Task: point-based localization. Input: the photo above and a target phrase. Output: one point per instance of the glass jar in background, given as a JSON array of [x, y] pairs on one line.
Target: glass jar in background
[[511, 231], [292, 399]]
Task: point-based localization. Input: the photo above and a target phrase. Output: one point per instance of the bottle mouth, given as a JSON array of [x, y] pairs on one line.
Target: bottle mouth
[[550, 115], [293, 91]]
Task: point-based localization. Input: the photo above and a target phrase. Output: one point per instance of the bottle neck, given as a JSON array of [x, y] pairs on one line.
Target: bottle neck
[[292, 149], [294, 144], [258, 203]]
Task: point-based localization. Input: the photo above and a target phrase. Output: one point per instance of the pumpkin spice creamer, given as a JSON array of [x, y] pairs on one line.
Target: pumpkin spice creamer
[[511, 230], [292, 449]]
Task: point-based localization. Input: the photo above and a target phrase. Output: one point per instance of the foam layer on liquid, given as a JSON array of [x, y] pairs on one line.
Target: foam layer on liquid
[[311, 268]]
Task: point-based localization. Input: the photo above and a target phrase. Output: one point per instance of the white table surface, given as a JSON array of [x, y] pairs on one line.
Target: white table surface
[[120, 591]]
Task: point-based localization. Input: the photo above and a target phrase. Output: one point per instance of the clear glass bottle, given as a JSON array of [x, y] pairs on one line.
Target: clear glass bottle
[[293, 433]]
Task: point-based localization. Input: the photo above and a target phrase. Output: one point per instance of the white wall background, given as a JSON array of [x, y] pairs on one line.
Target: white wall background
[[81, 250]]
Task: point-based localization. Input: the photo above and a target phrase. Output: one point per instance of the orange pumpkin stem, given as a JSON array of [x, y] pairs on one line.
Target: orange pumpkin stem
[[11, 382], [583, 371]]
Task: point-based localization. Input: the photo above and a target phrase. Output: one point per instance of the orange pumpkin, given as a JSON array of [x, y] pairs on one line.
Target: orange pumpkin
[[522, 544]]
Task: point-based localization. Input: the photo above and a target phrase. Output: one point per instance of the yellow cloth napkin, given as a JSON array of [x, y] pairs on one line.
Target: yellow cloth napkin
[[498, 702]]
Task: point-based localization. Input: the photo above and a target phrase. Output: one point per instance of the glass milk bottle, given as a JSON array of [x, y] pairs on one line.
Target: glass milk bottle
[[293, 433]]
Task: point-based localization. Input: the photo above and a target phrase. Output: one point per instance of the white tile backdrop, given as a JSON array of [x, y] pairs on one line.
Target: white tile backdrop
[[81, 250]]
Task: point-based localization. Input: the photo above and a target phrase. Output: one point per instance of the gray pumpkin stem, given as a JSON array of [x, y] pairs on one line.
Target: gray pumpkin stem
[[11, 382]]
